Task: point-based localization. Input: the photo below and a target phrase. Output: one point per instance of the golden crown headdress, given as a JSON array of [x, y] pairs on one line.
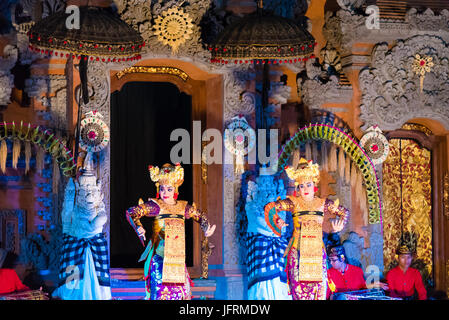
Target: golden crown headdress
[[167, 175], [307, 171]]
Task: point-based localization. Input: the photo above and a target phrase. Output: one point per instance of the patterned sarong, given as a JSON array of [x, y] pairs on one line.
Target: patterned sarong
[[306, 290], [265, 258], [73, 258], [158, 290]]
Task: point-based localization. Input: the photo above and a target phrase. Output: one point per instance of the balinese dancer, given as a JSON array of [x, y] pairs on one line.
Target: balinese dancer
[[306, 254], [166, 276]]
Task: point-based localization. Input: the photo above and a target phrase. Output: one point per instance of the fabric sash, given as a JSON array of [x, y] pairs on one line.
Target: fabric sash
[[311, 247], [173, 270]]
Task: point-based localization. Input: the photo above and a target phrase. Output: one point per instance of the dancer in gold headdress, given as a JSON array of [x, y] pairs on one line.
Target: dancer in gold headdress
[[306, 254], [166, 276]]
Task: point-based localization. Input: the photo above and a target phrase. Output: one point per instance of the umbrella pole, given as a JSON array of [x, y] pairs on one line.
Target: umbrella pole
[[84, 99], [262, 122]]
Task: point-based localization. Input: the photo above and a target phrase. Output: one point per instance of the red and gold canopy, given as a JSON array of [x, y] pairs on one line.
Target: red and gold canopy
[[101, 36], [263, 38]]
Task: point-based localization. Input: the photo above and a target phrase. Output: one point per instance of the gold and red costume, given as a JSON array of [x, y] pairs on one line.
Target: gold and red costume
[[306, 254], [167, 247], [166, 274]]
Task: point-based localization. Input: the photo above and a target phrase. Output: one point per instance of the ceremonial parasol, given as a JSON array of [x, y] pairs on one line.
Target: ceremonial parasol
[[263, 38], [100, 36]]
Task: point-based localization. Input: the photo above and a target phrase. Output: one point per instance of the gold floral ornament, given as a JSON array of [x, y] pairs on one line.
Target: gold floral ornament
[[422, 65], [173, 27]]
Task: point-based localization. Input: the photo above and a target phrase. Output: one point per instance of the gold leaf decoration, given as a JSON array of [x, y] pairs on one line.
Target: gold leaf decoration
[[409, 163], [422, 65]]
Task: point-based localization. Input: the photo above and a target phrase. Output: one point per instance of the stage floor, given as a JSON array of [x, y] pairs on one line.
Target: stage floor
[[128, 284]]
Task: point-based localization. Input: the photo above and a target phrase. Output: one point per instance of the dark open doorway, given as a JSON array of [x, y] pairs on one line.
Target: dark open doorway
[[143, 115]]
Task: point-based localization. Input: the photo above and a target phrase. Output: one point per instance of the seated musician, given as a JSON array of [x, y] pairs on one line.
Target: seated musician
[[342, 276], [403, 281], [9, 280]]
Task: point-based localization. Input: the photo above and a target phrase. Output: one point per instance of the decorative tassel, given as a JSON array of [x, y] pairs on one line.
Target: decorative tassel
[[341, 163], [308, 151], [332, 163], [15, 152], [3, 155], [175, 196], [294, 193], [27, 156], [40, 164], [348, 170], [324, 160]]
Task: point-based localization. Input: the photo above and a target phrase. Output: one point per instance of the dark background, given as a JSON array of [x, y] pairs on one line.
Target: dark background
[[143, 115]]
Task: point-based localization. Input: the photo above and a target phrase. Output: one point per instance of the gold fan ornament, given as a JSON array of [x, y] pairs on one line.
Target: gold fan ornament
[[173, 27], [422, 65]]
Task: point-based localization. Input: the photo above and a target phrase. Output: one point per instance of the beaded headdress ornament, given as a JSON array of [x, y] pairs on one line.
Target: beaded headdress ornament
[[167, 175], [307, 171]]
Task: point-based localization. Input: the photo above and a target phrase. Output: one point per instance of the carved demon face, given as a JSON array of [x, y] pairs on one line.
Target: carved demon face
[[88, 193]]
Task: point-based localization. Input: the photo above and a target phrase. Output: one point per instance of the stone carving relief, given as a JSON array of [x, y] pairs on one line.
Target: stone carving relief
[[391, 91], [99, 99], [140, 14], [7, 62], [84, 214], [348, 25], [279, 92], [365, 252], [343, 28], [428, 20], [318, 86], [237, 100], [40, 87], [350, 5]]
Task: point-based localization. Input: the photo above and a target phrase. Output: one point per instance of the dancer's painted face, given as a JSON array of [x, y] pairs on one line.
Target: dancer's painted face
[[307, 190], [167, 192]]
